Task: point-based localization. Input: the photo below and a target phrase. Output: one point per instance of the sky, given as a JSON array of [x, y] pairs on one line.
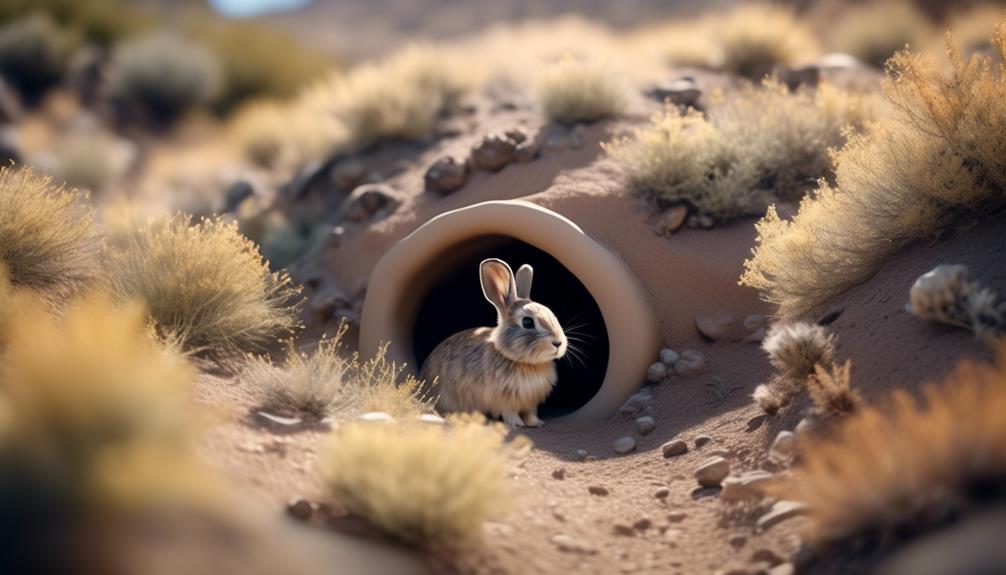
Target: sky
[[248, 8]]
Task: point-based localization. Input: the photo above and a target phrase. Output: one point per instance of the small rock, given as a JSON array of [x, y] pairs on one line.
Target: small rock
[[674, 448], [526, 152], [645, 424], [656, 373], [702, 440], [766, 556], [670, 221], [662, 493], [642, 524], [754, 322], [738, 541], [570, 545], [691, 364], [598, 490], [368, 200], [623, 530], [239, 191], [677, 516], [624, 445], [804, 428], [745, 486], [756, 337], [715, 327], [682, 92], [348, 174], [627, 412], [559, 474], [783, 448], [445, 176], [712, 472], [668, 356], [581, 454], [376, 416], [300, 508], [271, 419], [493, 153], [432, 419], [781, 511]]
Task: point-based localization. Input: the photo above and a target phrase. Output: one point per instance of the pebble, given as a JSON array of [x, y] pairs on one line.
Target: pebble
[[623, 529], [570, 545], [716, 327], [702, 440], [526, 152], [670, 221], [712, 472], [432, 419], [766, 556], [581, 454], [657, 372], [662, 493], [804, 428], [624, 445], [445, 176], [681, 92], [598, 490], [300, 508], [781, 511], [642, 524], [668, 356], [754, 322], [677, 516], [645, 424], [738, 541], [369, 200], [376, 416], [674, 448], [783, 449], [691, 364], [493, 153], [559, 473], [756, 337], [745, 486]]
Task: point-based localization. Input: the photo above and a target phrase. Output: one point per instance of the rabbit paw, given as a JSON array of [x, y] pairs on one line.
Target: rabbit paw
[[532, 420], [513, 420]]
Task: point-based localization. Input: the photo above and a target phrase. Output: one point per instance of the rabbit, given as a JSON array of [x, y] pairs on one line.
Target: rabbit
[[507, 370]]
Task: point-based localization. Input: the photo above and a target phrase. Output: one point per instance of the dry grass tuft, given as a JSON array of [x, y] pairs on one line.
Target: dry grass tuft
[[763, 143], [891, 473], [800, 352], [204, 284], [873, 32], [424, 484], [831, 390], [259, 131], [955, 125], [754, 39], [572, 90], [47, 240]]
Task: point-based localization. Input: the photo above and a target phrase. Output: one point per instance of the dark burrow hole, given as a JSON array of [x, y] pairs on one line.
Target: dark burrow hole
[[451, 300]]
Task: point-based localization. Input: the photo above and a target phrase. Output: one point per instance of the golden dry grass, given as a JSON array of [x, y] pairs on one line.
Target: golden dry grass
[[572, 90], [204, 284], [47, 240], [761, 143], [831, 390], [901, 469], [755, 38], [952, 124], [799, 352], [425, 484]]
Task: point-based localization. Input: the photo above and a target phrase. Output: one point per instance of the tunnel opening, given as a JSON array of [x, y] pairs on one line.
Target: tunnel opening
[[450, 299]]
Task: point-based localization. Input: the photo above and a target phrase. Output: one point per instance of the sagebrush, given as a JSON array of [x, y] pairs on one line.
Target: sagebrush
[[954, 124], [573, 90], [874, 32], [755, 39]]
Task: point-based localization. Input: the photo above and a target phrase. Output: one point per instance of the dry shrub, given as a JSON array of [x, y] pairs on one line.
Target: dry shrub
[[47, 240], [762, 143], [874, 31], [329, 381], [572, 90], [94, 423], [882, 201], [204, 284], [797, 351], [425, 484], [33, 55], [831, 390], [754, 39], [260, 131], [889, 473]]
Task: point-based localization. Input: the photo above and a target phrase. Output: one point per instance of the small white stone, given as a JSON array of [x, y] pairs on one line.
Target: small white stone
[[431, 419], [745, 486], [754, 322], [783, 448], [716, 327], [674, 448], [624, 445], [781, 511], [570, 545], [376, 416], [712, 472], [645, 424], [668, 356], [691, 364], [656, 373], [581, 454]]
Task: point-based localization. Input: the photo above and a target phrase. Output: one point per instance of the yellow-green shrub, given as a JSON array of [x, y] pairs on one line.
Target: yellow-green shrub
[[47, 240], [953, 126], [571, 90], [426, 484], [756, 38], [204, 284]]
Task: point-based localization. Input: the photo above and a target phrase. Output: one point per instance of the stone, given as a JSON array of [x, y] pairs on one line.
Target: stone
[[369, 200], [568, 544], [702, 440], [715, 327], [657, 372], [677, 516], [581, 454], [662, 493], [348, 174], [598, 490], [783, 449], [623, 530], [756, 337], [754, 322], [516, 136], [559, 473], [668, 356], [645, 424], [712, 472], [624, 445], [766, 556], [445, 176], [681, 92], [642, 524], [526, 152], [300, 508], [674, 448], [432, 419], [804, 428], [670, 220], [745, 486], [376, 417], [272, 419], [691, 364], [493, 153], [781, 511]]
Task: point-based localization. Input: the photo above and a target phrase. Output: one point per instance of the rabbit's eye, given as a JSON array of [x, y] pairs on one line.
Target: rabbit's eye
[[527, 323]]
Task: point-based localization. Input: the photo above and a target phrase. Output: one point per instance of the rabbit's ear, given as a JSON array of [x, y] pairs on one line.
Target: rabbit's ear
[[498, 283], [524, 275]]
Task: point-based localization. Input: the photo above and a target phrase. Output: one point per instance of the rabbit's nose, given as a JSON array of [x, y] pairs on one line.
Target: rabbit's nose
[[557, 343]]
